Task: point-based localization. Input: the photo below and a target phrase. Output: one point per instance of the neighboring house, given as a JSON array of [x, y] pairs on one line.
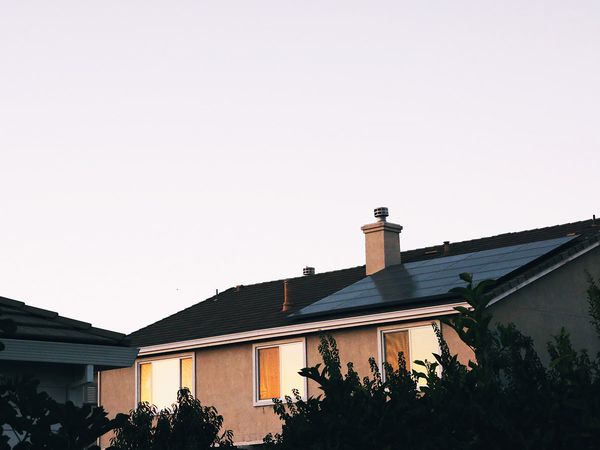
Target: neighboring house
[[65, 355], [242, 347]]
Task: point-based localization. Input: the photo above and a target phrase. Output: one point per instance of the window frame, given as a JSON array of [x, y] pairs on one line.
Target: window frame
[[178, 356], [256, 401], [381, 331]]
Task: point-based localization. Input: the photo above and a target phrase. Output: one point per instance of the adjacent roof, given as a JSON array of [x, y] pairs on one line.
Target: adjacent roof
[[258, 306], [43, 325]]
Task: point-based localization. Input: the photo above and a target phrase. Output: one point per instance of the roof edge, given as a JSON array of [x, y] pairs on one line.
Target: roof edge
[[308, 327]]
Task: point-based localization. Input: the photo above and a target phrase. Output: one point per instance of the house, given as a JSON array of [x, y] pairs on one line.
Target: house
[[239, 349], [63, 354]]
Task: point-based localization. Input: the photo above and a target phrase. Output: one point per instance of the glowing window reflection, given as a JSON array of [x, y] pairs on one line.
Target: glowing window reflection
[[160, 380], [418, 343], [278, 368]]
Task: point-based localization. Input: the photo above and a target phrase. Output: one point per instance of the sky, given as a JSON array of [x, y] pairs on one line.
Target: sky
[[152, 152]]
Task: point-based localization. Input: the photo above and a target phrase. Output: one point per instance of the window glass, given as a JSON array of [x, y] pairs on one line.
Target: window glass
[[160, 380], [419, 343], [278, 369], [165, 374], [424, 344], [187, 377], [268, 372], [145, 382], [292, 360], [396, 342]]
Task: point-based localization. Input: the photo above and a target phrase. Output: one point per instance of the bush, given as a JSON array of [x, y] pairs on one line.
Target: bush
[[40, 423], [188, 426], [507, 399]]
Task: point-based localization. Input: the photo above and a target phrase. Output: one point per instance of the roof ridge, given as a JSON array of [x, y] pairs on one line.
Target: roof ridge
[[302, 276], [531, 230], [245, 286]]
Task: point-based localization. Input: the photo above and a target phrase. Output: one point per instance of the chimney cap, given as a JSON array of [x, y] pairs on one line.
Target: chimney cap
[[307, 271], [381, 213]]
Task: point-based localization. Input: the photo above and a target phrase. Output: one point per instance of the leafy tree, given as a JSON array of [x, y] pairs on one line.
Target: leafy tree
[[38, 422], [188, 426], [506, 399]]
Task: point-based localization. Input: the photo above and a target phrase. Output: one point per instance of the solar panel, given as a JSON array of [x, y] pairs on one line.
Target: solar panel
[[417, 280]]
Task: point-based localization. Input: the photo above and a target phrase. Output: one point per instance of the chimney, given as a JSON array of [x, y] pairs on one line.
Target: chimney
[[382, 242], [287, 301]]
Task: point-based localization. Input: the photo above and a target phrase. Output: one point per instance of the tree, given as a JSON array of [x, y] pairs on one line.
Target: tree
[[37, 422], [188, 426], [506, 399]]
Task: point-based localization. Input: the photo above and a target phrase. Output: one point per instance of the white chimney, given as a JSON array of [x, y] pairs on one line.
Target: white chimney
[[382, 242]]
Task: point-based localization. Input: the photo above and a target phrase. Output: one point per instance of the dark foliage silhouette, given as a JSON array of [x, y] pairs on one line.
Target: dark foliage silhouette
[[506, 399], [187, 426]]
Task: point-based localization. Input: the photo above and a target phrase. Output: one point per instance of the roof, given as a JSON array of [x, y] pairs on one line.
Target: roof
[[36, 324], [429, 279], [258, 306]]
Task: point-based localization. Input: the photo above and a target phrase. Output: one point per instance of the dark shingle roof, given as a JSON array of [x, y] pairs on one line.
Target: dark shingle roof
[[258, 306], [244, 308], [43, 325]]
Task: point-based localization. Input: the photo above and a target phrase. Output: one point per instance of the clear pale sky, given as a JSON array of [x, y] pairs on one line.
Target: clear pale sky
[[154, 151]]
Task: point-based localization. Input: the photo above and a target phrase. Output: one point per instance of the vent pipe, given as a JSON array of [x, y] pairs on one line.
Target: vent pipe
[[287, 300], [307, 271], [446, 250]]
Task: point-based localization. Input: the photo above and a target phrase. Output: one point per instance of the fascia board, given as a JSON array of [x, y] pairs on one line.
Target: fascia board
[[67, 353], [312, 327]]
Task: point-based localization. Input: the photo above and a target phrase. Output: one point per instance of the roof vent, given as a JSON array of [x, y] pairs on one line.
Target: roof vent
[[307, 271], [381, 213], [446, 250]]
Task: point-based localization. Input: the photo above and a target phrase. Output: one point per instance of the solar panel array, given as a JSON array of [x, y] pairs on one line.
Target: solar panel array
[[406, 283]]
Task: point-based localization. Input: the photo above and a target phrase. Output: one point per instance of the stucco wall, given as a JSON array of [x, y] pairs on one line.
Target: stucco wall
[[559, 299], [117, 393], [224, 378]]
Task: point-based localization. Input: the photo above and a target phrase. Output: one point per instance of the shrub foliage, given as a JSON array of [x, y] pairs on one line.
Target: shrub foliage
[[506, 399], [37, 422], [187, 426]]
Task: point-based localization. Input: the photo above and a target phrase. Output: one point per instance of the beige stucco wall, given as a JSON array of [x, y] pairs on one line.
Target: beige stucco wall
[[224, 378], [117, 393], [557, 300]]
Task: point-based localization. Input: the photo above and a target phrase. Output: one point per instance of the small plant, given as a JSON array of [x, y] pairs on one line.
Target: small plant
[[593, 295]]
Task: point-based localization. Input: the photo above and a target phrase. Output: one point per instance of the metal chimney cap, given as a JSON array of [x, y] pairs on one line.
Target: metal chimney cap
[[381, 213], [307, 271]]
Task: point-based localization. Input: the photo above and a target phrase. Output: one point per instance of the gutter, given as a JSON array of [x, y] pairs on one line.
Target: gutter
[[303, 328]]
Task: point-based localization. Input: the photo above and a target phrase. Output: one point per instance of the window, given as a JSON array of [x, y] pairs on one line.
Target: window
[[416, 342], [276, 370], [159, 380]]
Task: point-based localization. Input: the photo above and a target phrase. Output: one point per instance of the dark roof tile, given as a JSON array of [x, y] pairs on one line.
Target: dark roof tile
[[44, 325]]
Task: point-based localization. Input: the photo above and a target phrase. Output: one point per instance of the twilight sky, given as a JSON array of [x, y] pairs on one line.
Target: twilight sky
[[154, 151]]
